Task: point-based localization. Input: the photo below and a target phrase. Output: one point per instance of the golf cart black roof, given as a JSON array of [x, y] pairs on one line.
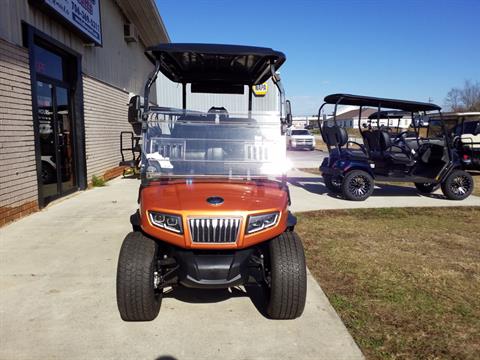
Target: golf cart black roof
[[359, 100], [389, 114], [216, 64]]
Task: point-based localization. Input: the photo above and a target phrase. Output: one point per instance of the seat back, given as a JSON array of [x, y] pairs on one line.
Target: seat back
[[217, 114], [371, 141], [334, 135], [384, 140]]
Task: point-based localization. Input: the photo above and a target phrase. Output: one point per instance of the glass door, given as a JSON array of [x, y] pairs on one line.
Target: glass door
[[56, 140], [64, 126]]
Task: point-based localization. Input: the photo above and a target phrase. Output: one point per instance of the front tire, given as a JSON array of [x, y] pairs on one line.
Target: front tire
[[458, 185], [334, 184], [357, 185], [426, 188], [288, 277], [137, 298]]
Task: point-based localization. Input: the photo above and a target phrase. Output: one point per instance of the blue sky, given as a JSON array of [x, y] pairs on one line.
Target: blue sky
[[409, 49]]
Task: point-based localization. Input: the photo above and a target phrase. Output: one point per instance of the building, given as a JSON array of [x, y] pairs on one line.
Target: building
[[350, 119], [67, 70], [169, 94]]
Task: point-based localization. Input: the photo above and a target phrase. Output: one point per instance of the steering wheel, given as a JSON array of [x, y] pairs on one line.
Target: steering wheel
[[400, 138]]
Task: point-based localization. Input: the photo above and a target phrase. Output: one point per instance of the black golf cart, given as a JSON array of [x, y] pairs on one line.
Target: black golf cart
[[386, 155]]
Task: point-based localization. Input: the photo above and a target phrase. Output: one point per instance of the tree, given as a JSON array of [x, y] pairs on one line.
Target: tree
[[464, 99]]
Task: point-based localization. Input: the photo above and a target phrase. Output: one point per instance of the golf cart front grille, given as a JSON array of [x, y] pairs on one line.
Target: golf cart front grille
[[304, 142], [214, 230]]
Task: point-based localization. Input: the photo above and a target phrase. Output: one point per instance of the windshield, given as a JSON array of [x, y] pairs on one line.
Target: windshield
[[182, 143], [300, 132]]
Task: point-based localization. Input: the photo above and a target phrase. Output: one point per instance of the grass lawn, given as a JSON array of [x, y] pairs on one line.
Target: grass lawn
[[406, 282]]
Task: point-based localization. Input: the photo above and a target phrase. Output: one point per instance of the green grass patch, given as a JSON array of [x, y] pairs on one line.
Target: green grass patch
[[98, 181], [406, 282]]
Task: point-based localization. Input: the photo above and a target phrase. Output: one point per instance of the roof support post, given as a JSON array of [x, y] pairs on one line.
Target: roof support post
[[250, 92], [184, 96], [151, 80], [278, 82]]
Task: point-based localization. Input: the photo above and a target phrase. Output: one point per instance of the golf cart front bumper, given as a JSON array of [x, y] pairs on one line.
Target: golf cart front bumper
[[206, 269], [302, 146]]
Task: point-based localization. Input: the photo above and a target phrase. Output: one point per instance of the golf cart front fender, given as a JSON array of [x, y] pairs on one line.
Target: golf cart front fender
[[358, 165], [341, 167]]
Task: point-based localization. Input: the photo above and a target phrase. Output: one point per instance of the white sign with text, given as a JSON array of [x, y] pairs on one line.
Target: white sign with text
[[82, 14]]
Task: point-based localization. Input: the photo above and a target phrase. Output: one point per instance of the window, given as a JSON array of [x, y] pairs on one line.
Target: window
[[300, 132], [48, 63]]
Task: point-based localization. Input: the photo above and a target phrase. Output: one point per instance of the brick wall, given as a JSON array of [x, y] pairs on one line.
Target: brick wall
[[106, 115], [18, 176]]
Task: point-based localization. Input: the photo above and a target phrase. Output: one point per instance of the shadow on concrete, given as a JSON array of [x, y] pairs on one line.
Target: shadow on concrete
[[203, 296], [315, 185], [166, 357], [256, 293]]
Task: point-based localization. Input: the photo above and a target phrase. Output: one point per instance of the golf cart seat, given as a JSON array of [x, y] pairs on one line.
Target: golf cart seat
[[390, 151], [219, 113], [337, 138]]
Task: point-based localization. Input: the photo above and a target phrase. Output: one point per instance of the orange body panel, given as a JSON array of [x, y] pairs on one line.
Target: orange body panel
[[241, 199]]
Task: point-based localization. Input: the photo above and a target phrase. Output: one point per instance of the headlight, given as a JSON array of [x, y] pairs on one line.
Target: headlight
[[260, 222], [166, 221]]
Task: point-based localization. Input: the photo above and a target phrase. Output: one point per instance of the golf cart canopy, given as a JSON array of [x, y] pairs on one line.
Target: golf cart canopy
[[208, 65], [466, 115], [359, 100]]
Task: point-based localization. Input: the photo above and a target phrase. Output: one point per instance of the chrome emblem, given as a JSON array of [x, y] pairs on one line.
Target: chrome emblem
[[215, 200]]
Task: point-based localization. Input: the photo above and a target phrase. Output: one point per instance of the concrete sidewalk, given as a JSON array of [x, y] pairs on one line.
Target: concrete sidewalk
[[309, 193], [57, 298]]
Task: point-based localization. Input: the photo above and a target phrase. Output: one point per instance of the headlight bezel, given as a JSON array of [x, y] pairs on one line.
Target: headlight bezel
[[164, 224], [261, 217]]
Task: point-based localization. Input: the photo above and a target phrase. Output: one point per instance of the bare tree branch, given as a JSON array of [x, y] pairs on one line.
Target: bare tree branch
[[464, 99]]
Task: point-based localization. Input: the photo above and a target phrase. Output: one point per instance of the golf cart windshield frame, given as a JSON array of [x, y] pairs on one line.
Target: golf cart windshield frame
[[400, 107], [218, 67]]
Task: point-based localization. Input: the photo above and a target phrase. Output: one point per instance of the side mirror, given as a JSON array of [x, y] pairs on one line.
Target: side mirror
[[288, 114], [135, 110]]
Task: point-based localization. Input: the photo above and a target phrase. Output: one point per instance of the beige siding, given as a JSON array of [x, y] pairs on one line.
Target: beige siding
[[121, 64], [105, 110], [18, 176]]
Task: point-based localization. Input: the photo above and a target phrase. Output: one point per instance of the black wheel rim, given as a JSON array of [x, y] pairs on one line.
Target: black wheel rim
[[359, 186], [460, 185]]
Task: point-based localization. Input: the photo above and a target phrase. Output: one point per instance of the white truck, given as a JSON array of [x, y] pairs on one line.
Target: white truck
[[300, 139]]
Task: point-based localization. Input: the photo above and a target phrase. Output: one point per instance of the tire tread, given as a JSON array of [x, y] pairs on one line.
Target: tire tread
[[135, 295], [289, 277]]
